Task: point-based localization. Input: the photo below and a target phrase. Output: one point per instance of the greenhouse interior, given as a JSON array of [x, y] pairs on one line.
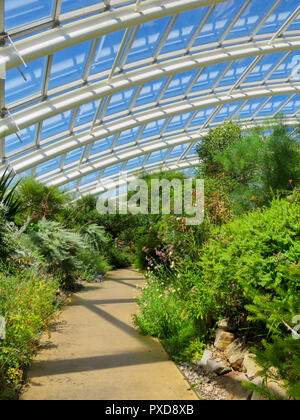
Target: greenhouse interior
[[150, 202]]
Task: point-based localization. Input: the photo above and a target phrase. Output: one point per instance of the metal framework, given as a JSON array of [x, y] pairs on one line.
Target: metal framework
[[122, 86]]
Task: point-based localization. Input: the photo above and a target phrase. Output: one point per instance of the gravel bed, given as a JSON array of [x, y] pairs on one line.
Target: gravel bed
[[205, 384]]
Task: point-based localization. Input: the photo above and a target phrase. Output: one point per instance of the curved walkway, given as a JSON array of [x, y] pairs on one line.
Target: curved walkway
[[95, 353]]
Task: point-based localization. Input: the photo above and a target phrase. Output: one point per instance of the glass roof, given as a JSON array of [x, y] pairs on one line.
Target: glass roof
[[89, 89]]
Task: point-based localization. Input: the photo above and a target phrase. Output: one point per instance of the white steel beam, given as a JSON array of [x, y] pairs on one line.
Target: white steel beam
[[142, 118], [109, 184], [133, 152], [82, 30], [62, 103]]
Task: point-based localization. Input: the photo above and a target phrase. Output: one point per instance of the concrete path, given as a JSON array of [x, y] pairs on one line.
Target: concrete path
[[95, 353]]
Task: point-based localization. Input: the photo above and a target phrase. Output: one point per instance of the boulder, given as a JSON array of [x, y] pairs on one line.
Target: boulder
[[223, 324], [207, 355], [220, 368], [223, 339], [236, 361], [274, 387], [278, 389], [250, 367], [235, 354]]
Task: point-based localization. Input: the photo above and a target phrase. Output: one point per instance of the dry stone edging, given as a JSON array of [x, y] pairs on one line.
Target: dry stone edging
[[232, 362]]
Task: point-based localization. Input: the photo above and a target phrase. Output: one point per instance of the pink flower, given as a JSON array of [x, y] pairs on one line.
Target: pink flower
[[290, 181]]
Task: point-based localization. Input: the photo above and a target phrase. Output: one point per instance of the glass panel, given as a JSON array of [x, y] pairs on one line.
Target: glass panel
[[68, 65], [209, 76], [178, 122], [279, 17], [250, 18], [179, 84], [86, 113], [293, 106], [112, 170], [70, 186], [134, 163], [17, 89], [182, 31], [102, 145], [264, 67], [273, 105], [227, 111], [221, 17], [157, 156], [49, 166], [69, 5], [13, 144], [74, 156], [120, 101], [202, 116], [106, 52], [236, 71], [147, 39], [153, 128], [90, 178], [177, 152], [251, 107], [23, 12], [56, 124], [290, 67], [128, 136], [150, 92]]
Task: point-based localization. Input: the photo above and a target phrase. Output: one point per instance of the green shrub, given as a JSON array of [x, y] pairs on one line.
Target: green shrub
[[39, 201], [60, 249], [263, 162], [255, 250], [216, 141], [162, 314], [118, 258], [93, 264], [94, 236], [27, 305]]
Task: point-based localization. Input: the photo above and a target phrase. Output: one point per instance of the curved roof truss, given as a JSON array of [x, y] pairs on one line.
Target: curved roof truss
[[171, 71]]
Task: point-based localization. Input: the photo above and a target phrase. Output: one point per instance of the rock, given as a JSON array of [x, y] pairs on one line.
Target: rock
[[207, 355], [235, 354], [236, 361], [255, 396], [251, 368], [232, 382], [277, 389], [223, 339], [220, 368], [237, 346], [223, 324]]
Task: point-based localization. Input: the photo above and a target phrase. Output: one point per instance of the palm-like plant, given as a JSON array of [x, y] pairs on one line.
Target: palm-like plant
[[8, 198]]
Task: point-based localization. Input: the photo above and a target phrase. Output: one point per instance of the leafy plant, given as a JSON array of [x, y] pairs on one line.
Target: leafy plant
[[40, 201], [11, 204], [94, 236], [27, 304], [60, 249]]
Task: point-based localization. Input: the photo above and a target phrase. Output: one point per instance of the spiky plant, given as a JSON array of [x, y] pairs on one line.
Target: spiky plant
[[8, 198]]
